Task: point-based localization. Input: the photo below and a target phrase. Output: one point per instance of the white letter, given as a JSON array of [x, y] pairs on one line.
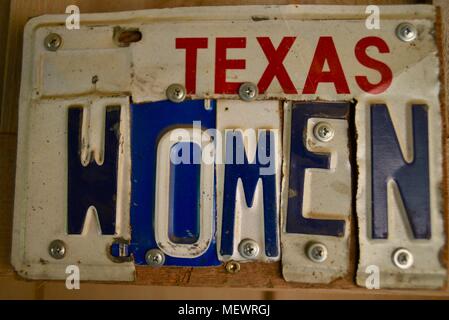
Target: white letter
[[373, 280], [196, 136], [182, 153], [373, 20], [73, 20], [73, 279], [213, 139], [262, 149]]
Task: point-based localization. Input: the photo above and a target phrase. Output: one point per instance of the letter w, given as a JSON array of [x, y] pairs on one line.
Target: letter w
[[92, 185]]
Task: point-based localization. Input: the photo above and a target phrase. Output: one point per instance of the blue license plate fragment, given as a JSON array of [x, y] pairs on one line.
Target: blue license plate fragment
[[186, 232]]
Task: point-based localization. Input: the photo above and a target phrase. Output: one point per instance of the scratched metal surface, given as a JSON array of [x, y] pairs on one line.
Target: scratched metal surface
[[21, 10]]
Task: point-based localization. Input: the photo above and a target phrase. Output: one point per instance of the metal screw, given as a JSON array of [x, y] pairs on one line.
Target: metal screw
[[323, 131], [317, 252], [406, 32], [249, 249], [123, 252], [155, 258], [176, 93], [402, 258], [57, 249], [248, 91], [53, 42], [233, 267]]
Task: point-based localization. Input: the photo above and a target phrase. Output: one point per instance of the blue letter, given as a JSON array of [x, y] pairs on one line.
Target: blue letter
[[300, 160], [93, 185], [412, 179], [249, 173]]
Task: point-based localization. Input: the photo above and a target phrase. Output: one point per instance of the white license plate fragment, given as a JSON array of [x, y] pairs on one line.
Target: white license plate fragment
[[193, 137], [248, 194], [316, 192]]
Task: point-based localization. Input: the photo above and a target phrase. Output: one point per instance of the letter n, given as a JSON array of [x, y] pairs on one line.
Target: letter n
[[412, 179]]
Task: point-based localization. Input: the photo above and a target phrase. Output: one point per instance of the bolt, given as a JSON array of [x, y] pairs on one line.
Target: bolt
[[57, 249], [317, 252], [249, 249], [248, 91], [406, 32], [233, 267], [53, 42], [155, 257], [323, 131], [402, 258], [176, 93], [122, 251]]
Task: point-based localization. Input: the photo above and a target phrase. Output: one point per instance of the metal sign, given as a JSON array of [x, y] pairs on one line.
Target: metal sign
[[204, 136]]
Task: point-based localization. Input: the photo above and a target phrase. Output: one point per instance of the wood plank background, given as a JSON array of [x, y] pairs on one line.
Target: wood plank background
[[13, 16]]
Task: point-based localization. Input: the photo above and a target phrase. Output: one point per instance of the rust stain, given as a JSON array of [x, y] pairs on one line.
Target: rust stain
[[445, 134], [259, 18], [124, 37]]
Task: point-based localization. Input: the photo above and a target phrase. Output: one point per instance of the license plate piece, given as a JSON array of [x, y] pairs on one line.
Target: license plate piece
[[316, 192]]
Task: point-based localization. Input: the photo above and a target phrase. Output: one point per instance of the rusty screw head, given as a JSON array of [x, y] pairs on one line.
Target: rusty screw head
[[317, 252], [57, 249], [176, 93], [406, 32], [53, 42], [248, 91], [232, 267], [155, 258], [402, 258]]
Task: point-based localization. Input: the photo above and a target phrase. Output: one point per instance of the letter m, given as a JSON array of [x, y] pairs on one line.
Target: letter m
[[239, 168], [412, 179], [92, 185]]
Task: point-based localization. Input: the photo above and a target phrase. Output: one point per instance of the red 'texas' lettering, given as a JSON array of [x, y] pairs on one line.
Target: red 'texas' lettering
[[275, 66], [191, 45], [385, 72], [222, 64], [326, 51]]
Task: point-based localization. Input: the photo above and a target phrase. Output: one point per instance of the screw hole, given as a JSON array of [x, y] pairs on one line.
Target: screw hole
[[124, 37]]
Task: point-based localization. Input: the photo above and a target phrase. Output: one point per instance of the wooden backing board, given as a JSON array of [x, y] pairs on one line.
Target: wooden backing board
[[262, 276]]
